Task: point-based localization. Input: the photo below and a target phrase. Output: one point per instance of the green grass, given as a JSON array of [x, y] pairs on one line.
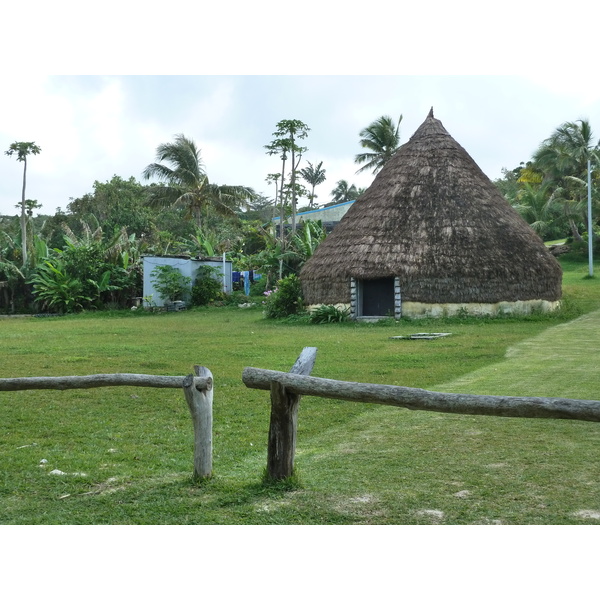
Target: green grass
[[127, 452]]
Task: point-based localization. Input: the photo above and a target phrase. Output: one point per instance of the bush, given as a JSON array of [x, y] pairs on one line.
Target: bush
[[206, 288], [327, 313], [286, 300], [258, 286], [55, 289], [170, 283]]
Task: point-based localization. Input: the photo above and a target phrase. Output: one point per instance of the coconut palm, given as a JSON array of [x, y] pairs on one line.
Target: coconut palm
[[344, 192], [314, 176], [563, 160], [567, 151], [539, 208], [382, 138], [186, 183]]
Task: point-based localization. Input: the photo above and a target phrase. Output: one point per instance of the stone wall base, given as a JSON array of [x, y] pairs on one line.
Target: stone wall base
[[415, 310], [420, 310]]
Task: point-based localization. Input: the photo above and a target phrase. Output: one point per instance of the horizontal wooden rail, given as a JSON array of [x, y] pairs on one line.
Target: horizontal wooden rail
[[197, 388], [418, 399], [91, 381]]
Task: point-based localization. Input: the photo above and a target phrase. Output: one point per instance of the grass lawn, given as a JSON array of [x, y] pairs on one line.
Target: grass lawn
[[126, 453]]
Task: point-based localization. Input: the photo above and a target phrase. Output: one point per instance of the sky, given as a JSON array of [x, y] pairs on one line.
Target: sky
[[91, 127]]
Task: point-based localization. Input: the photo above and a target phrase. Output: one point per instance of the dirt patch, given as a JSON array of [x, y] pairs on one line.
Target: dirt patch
[[587, 514], [436, 516], [463, 494]]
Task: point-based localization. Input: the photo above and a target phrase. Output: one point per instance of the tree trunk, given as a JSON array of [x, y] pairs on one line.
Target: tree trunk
[[293, 181], [24, 216], [281, 203], [576, 235]]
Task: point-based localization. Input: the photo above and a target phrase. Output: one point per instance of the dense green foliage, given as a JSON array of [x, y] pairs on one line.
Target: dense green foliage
[[550, 190], [327, 313], [169, 283], [207, 288], [286, 299]]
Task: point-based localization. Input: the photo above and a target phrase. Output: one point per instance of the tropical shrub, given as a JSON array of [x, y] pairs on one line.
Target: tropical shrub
[[54, 288], [207, 288], [327, 313], [286, 300], [170, 283]]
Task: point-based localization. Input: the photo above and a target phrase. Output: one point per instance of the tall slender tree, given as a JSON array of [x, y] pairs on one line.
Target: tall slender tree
[[313, 176], [382, 139], [22, 150], [288, 132], [186, 183]]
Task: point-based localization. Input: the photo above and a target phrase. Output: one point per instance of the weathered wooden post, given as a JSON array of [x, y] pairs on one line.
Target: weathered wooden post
[[199, 397], [284, 420]]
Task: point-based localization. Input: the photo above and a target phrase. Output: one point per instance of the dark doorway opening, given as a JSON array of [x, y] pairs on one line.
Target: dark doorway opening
[[378, 297]]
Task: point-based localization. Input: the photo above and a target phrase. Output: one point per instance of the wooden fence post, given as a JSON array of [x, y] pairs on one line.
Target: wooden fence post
[[199, 397], [284, 421]]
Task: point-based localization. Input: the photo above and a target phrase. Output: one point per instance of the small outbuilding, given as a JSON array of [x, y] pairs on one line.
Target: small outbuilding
[[432, 236], [188, 267]]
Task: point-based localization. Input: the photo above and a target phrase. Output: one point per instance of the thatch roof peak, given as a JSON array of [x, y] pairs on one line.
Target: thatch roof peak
[[431, 126]]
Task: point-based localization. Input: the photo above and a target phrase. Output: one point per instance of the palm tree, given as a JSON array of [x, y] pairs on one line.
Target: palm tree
[[186, 182], [382, 138], [538, 207], [314, 176], [563, 160], [289, 131], [344, 192], [23, 150]]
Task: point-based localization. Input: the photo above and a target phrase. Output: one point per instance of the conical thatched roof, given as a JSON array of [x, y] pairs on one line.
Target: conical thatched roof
[[433, 219]]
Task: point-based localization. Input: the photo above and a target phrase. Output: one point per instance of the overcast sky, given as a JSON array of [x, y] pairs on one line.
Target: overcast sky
[[93, 127]]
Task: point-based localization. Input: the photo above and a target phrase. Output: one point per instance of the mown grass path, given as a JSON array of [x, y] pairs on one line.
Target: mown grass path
[[563, 361]]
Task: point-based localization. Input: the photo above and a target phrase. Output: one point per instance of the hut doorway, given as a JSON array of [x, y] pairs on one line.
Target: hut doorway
[[377, 297]]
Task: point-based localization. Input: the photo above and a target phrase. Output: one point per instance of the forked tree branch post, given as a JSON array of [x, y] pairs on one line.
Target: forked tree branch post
[[284, 420], [198, 391]]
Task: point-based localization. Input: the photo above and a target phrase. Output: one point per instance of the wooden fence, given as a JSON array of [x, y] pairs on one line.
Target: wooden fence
[[287, 388], [197, 388]]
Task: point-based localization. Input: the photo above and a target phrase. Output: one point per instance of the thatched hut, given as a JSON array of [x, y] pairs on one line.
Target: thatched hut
[[431, 236]]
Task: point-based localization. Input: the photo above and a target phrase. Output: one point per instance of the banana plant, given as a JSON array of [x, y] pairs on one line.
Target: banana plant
[[54, 288]]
